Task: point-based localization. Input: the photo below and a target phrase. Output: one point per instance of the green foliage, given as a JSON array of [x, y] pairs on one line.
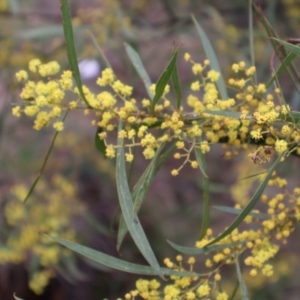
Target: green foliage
[[252, 118]]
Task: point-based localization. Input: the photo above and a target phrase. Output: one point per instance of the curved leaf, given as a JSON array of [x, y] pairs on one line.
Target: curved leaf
[[176, 86], [139, 67], [44, 163], [223, 113], [199, 251], [99, 144], [163, 80], [244, 292], [101, 53], [210, 54], [69, 39], [17, 298], [138, 194], [250, 205], [131, 219], [285, 63], [205, 209], [116, 263], [236, 211]]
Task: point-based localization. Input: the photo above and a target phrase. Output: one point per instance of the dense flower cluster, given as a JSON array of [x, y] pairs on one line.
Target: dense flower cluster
[[250, 115], [197, 127], [52, 216], [258, 246]]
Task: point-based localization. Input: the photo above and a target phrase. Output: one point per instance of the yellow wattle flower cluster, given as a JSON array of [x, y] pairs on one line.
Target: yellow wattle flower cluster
[[258, 247], [194, 127], [46, 213]]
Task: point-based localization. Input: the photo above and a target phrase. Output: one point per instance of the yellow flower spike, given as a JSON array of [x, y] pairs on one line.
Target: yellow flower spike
[[197, 69], [235, 68], [154, 284], [277, 91], [16, 111], [281, 146], [34, 64], [191, 260], [171, 291], [217, 277], [203, 290], [148, 153], [222, 296], [194, 164], [22, 75], [206, 62], [179, 258], [110, 151], [129, 157], [187, 56], [195, 86], [174, 172], [190, 295], [204, 147], [213, 75], [177, 155], [58, 126]]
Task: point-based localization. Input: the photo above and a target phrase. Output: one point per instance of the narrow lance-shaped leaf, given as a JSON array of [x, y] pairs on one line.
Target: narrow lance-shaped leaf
[[116, 263], [99, 144], [17, 298], [176, 86], [250, 205], [244, 292], [205, 206], [232, 297], [139, 67], [204, 250], [236, 211], [228, 114], [251, 40], [210, 54], [163, 80], [280, 51], [285, 63], [44, 163], [101, 53], [133, 224], [138, 194], [69, 39]]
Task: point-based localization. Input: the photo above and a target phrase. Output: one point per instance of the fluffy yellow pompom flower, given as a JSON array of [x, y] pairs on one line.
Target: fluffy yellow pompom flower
[[22, 75], [281, 146]]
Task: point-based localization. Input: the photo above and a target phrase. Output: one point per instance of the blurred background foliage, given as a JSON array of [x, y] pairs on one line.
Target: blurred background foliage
[[77, 197]]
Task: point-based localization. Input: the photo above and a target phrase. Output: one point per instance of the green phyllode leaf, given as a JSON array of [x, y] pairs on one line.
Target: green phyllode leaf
[[236, 211], [131, 219], [244, 292], [163, 80], [249, 207], [17, 298], [99, 144], [284, 64], [176, 86], [116, 263], [206, 211], [138, 194], [204, 250], [44, 163], [139, 67], [98, 48], [69, 39], [280, 51], [211, 55]]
